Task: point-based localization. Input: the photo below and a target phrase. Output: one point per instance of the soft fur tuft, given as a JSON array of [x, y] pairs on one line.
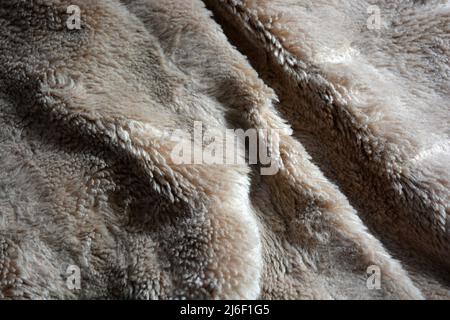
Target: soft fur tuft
[[86, 176]]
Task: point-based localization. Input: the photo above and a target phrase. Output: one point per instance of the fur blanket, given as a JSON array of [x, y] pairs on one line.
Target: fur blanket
[[357, 93]]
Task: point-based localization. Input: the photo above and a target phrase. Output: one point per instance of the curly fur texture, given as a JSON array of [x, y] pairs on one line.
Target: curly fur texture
[[86, 176], [371, 106]]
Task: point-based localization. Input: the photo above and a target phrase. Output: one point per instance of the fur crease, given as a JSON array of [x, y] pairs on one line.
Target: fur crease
[[87, 176]]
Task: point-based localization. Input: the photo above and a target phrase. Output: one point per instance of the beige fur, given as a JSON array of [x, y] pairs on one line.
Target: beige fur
[[372, 107], [87, 178]]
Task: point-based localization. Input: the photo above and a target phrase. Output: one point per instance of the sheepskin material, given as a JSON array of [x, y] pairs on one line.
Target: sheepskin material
[[371, 105], [87, 176]]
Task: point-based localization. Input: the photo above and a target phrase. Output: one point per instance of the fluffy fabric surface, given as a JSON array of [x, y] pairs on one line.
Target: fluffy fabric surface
[[87, 176], [371, 106]]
